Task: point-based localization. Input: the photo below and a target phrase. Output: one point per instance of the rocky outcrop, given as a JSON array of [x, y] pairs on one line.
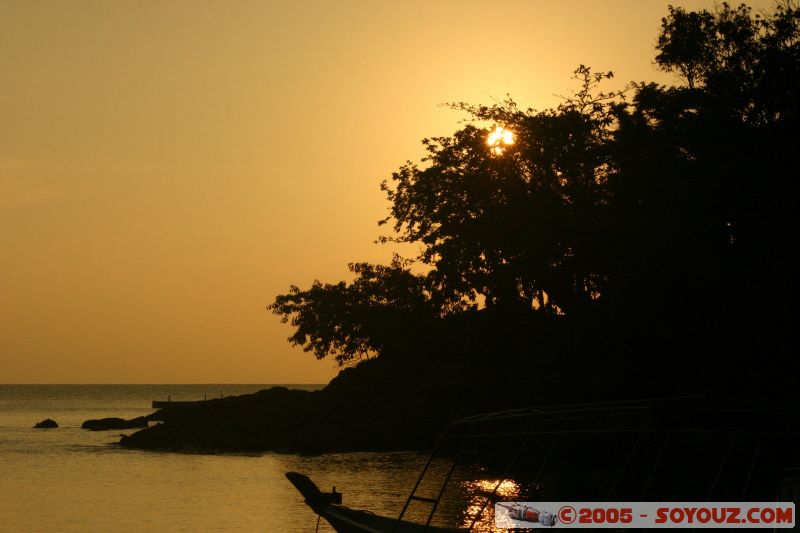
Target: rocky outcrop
[[104, 424], [378, 406], [388, 403], [285, 420], [47, 423]]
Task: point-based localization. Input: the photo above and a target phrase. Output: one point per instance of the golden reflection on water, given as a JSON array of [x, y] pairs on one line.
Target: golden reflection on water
[[481, 495]]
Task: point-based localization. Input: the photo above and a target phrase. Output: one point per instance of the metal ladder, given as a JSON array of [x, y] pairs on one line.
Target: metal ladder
[[433, 502], [460, 452]]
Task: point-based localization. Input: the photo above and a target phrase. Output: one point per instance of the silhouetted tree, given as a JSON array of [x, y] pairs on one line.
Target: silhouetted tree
[[656, 224], [353, 321], [701, 193], [517, 225]]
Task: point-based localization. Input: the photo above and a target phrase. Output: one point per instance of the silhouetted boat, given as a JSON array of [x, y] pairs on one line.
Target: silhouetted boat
[[346, 520], [676, 449]]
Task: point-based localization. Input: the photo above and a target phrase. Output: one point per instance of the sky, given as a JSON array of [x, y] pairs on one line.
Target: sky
[[167, 168]]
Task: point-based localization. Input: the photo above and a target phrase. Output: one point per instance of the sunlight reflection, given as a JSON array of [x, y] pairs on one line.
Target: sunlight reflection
[[478, 492]]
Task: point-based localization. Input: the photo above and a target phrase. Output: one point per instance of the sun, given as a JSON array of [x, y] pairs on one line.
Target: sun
[[499, 139]]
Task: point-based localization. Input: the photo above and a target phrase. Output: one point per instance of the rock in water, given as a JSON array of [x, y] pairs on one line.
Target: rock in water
[[104, 424], [46, 424]]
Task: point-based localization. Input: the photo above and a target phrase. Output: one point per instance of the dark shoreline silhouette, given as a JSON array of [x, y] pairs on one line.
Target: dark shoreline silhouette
[[104, 424], [391, 404], [619, 246]]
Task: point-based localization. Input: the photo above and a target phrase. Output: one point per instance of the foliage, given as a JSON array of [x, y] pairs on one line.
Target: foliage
[[660, 215], [746, 61], [516, 227], [356, 320]]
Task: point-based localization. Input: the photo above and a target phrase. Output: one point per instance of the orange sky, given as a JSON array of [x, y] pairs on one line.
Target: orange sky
[[167, 168]]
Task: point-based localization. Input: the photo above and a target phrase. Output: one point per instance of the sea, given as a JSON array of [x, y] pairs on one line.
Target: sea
[[72, 480]]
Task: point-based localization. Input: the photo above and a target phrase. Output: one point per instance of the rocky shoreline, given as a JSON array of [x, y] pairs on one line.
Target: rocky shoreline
[[383, 404], [105, 424], [282, 420], [292, 421]]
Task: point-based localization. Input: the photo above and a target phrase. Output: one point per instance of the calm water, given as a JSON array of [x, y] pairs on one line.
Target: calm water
[[69, 479]]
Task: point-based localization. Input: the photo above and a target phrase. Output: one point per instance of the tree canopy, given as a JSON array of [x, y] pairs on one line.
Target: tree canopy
[[658, 213], [354, 321]]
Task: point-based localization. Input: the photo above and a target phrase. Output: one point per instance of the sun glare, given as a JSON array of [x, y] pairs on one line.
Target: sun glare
[[499, 139]]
